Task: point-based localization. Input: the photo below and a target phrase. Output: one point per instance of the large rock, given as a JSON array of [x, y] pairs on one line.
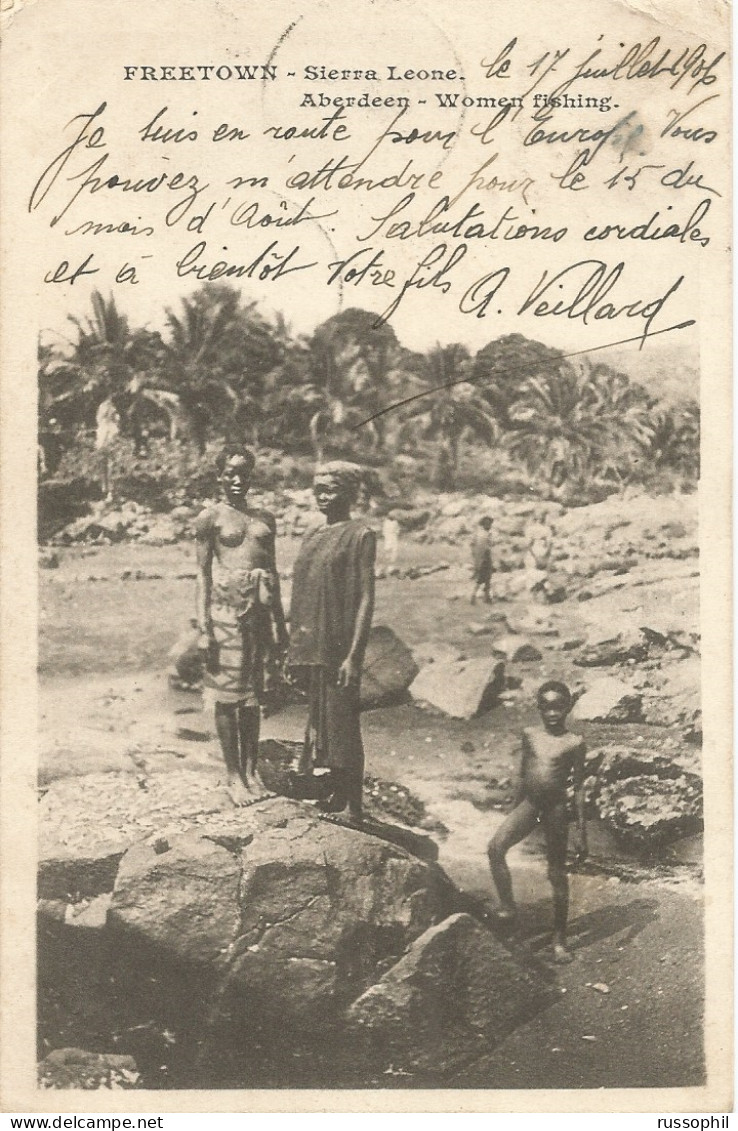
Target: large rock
[[275, 878], [275, 927], [462, 688], [180, 895], [530, 622], [620, 762], [86, 824], [436, 652], [455, 995], [609, 700], [673, 633], [389, 668], [77, 1068], [615, 648], [516, 649], [651, 811], [646, 794], [674, 694], [231, 935], [186, 658]]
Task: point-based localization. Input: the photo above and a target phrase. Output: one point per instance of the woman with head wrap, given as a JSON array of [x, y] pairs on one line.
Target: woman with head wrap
[[239, 613], [332, 607]]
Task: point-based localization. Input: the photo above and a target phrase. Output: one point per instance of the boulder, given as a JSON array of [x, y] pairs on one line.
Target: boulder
[[609, 700], [524, 581], [454, 996], [230, 934], [646, 794], [516, 649], [481, 628], [435, 652], [186, 658], [274, 927], [179, 894], [77, 1068], [554, 590], [618, 648], [162, 530], [650, 811], [86, 824], [531, 623], [389, 668], [48, 559], [620, 762], [462, 689], [674, 695], [672, 639]]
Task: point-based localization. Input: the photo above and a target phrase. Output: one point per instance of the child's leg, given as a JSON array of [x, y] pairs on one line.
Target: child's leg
[[226, 724], [556, 830], [515, 826]]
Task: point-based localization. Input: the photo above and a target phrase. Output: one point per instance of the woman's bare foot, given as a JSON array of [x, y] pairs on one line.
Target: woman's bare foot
[[255, 784], [561, 954], [238, 793]]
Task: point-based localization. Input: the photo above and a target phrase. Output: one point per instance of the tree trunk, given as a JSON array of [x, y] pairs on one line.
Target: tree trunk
[[444, 478]]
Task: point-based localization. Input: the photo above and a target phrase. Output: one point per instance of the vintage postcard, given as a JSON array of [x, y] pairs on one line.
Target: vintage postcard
[[366, 444]]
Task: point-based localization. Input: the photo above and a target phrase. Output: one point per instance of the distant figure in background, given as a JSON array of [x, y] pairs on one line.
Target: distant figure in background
[[332, 607], [239, 613], [391, 540], [539, 542], [107, 430], [481, 548]]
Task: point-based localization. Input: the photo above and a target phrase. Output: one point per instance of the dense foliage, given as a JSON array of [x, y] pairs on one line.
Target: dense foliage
[[134, 410]]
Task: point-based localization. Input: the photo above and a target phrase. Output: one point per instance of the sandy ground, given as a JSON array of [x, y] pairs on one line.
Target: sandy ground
[[629, 1011]]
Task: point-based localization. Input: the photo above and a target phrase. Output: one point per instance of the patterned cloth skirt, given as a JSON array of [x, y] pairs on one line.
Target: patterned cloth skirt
[[236, 672]]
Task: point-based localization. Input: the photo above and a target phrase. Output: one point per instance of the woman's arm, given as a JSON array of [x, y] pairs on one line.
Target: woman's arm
[[277, 607], [205, 543], [350, 669]]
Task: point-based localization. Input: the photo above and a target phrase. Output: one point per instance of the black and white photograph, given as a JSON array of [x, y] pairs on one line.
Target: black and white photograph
[[366, 517]]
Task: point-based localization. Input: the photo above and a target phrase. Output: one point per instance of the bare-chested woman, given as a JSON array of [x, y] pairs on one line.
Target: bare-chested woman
[[239, 614], [550, 754]]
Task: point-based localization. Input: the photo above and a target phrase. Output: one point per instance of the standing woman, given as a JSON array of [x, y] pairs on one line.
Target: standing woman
[[239, 613], [332, 607]]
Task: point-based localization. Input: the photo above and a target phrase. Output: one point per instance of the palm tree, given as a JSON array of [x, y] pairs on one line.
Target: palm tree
[[502, 367], [579, 421], [675, 438], [102, 380], [58, 406], [446, 408], [217, 355], [350, 362]]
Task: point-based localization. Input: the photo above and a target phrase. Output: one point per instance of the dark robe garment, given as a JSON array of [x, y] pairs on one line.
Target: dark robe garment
[[326, 594], [481, 556]]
